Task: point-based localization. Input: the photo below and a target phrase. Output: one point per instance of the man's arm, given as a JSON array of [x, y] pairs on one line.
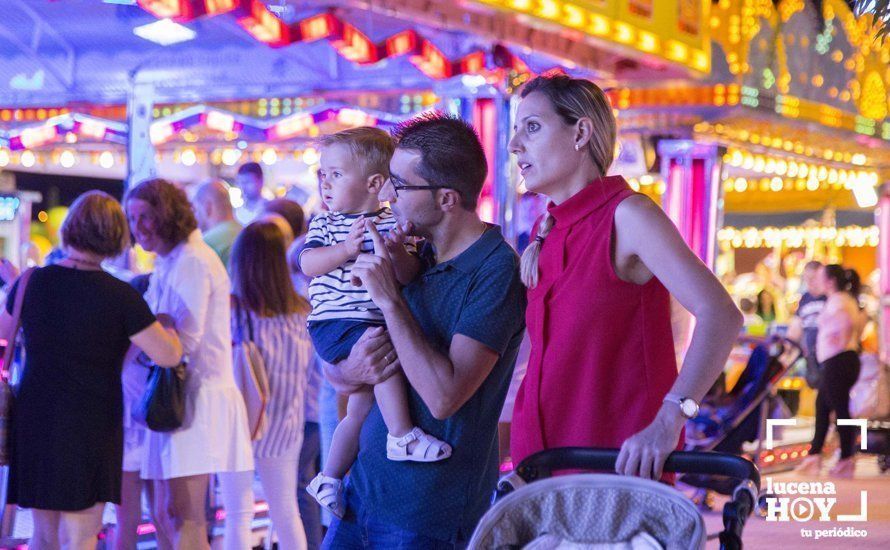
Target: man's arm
[[444, 383]]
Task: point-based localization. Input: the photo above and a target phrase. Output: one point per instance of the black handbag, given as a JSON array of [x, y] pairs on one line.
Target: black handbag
[[162, 407]]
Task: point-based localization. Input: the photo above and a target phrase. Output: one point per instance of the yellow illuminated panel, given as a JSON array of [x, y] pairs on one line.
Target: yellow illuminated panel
[[674, 30]]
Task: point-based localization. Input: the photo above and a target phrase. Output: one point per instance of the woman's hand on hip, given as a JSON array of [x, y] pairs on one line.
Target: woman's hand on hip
[[644, 453]]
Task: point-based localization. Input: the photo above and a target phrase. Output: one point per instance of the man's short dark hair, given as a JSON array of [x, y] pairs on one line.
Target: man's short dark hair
[[451, 154], [252, 168]]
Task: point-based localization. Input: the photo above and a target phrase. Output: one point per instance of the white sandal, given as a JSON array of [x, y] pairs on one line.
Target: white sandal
[[327, 491], [428, 448]]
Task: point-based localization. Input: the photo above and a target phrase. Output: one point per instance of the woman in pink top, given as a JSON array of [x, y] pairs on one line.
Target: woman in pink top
[[600, 273]]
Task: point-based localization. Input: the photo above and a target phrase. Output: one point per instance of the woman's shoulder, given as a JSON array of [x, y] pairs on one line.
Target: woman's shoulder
[[196, 257], [635, 206]]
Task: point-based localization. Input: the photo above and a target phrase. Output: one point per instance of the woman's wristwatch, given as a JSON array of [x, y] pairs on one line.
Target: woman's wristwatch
[[688, 406]]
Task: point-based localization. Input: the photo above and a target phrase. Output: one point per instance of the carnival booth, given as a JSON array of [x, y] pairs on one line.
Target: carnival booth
[[190, 89], [777, 158]]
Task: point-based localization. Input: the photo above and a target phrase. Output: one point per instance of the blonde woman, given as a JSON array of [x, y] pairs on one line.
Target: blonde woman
[[600, 271]]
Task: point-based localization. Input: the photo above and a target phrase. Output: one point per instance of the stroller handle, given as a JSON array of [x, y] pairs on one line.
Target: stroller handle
[[542, 464]]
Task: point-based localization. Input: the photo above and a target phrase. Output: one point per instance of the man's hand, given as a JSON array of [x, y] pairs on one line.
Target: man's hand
[[355, 238], [371, 361], [375, 272], [396, 237]]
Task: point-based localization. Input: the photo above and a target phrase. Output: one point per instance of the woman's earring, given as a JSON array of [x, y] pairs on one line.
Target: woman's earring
[[577, 147]]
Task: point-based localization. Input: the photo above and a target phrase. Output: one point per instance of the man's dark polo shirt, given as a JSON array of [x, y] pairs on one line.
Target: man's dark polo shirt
[[477, 294]]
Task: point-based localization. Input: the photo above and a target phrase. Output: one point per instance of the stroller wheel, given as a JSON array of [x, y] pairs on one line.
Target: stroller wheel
[[703, 500], [884, 463], [762, 506]]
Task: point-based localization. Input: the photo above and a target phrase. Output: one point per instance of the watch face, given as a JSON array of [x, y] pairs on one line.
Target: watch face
[[689, 408]]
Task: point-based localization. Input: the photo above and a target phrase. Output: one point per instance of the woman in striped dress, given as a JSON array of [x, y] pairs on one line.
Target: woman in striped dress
[[261, 282]]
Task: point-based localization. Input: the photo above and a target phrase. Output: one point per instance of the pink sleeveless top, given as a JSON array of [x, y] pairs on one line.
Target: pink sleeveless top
[[602, 352]]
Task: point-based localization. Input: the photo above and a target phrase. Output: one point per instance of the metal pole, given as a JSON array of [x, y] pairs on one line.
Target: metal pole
[[140, 150]]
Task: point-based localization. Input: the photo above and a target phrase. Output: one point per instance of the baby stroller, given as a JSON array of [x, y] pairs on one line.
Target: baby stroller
[[610, 511], [727, 421], [870, 399]]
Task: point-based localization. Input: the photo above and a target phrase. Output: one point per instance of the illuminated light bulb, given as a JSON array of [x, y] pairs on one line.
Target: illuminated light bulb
[[106, 159], [4, 157], [269, 157], [812, 184], [759, 163], [67, 159], [776, 184], [804, 169], [188, 157], [28, 159], [740, 185], [230, 156], [748, 163], [781, 167], [792, 169], [310, 156]]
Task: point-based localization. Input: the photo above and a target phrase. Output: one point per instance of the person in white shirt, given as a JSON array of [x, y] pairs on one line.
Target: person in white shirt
[[250, 181], [190, 285]]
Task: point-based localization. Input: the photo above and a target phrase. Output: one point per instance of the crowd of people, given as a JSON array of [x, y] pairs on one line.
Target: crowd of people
[[417, 309]]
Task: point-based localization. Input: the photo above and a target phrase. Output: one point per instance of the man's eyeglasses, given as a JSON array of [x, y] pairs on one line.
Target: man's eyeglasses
[[399, 185]]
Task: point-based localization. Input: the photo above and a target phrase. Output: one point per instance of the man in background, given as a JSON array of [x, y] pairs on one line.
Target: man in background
[[216, 219], [250, 180], [805, 324]]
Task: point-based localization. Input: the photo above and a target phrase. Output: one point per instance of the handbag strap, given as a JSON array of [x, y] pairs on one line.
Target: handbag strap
[[242, 320], [16, 320]]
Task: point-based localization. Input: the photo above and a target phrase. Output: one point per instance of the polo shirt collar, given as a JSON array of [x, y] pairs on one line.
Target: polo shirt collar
[[468, 260], [582, 203]]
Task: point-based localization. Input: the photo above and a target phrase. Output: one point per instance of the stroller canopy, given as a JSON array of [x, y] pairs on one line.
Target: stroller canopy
[[590, 509]]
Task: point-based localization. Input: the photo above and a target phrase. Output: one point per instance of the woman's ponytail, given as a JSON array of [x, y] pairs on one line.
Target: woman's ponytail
[[528, 269]]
